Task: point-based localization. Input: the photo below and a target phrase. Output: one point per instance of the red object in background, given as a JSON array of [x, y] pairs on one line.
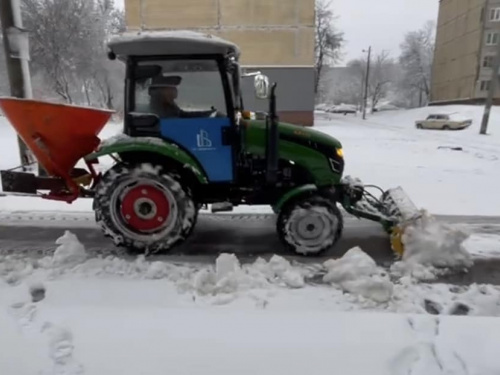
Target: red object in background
[[58, 135]]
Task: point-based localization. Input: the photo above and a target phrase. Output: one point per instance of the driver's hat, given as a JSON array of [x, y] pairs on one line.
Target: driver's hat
[[165, 81]]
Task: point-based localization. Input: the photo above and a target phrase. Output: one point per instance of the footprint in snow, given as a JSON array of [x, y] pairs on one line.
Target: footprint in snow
[[60, 340], [61, 351], [427, 356]]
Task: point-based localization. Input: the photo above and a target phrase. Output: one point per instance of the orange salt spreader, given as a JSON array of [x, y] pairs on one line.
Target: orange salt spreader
[[58, 135]]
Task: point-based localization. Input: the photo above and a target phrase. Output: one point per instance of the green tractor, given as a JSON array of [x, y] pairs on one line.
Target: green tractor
[[188, 142]]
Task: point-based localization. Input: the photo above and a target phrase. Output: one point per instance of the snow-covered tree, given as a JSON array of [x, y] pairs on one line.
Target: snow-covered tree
[[380, 83], [417, 53], [349, 87], [328, 42], [68, 49], [381, 78]]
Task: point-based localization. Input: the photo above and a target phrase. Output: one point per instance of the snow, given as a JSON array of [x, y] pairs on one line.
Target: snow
[[231, 313], [387, 150], [483, 245], [358, 274], [123, 138], [430, 243], [70, 250], [168, 35], [98, 315]]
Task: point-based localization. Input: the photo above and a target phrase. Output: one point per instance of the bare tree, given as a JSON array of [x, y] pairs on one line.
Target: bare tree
[[417, 53], [329, 41], [380, 78]]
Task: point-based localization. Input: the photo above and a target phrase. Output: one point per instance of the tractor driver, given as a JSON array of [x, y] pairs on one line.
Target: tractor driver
[[163, 92]]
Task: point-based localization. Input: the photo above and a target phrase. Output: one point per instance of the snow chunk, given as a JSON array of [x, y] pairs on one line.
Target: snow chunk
[[358, 274], [430, 243], [70, 251], [352, 182], [226, 265], [230, 277], [14, 270]]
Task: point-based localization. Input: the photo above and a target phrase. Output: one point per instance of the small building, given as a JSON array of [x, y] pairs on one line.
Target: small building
[[276, 37]]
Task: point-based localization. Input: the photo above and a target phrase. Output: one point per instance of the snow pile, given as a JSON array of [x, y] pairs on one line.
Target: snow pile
[[358, 274], [229, 276], [13, 270], [70, 251], [430, 246]]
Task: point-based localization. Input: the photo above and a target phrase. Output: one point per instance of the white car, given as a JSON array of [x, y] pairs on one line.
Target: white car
[[444, 121], [343, 109]]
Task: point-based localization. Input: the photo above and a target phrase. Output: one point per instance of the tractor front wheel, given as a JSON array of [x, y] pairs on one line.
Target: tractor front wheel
[[310, 226], [143, 208]]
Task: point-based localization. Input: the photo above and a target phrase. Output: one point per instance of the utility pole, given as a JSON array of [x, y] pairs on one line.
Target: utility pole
[[367, 78], [492, 90], [15, 41]]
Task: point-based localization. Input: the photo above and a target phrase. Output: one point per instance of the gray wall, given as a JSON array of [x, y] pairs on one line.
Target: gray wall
[[295, 90]]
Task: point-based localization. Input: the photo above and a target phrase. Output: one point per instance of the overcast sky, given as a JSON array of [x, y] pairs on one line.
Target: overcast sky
[[381, 24]]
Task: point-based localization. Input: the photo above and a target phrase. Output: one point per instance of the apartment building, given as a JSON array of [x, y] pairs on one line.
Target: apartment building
[[275, 36], [468, 33]]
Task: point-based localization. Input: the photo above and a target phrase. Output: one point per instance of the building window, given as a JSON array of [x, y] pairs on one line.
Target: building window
[[495, 14], [488, 61], [491, 39], [485, 85]]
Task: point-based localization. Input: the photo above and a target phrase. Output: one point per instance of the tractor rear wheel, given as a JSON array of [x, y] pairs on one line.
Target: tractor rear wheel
[[144, 208], [310, 226]]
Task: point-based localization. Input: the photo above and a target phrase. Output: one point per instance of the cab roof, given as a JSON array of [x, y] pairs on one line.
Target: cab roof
[[164, 43]]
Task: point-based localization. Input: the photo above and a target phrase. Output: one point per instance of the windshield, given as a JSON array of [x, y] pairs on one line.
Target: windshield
[[191, 85]]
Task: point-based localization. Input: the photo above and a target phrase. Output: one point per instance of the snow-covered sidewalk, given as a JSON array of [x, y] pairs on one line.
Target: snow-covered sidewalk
[[71, 314]]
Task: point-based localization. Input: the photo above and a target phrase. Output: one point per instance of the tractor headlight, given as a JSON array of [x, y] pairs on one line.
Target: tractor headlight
[[340, 153]]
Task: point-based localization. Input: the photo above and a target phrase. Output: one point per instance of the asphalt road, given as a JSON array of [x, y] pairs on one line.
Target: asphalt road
[[248, 236]]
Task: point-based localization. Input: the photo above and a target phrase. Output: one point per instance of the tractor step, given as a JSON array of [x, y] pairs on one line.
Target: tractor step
[[222, 207]]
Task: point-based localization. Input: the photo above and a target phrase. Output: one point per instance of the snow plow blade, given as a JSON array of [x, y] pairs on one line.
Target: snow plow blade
[[58, 135], [393, 209]]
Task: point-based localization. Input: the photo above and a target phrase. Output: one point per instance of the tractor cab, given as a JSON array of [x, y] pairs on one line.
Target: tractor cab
[[184, 87]]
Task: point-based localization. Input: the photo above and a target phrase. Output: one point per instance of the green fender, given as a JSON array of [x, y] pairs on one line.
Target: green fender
[[292, 194], [151, 145]]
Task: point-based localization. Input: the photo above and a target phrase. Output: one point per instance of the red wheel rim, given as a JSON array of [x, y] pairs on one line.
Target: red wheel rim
[[145, 208]]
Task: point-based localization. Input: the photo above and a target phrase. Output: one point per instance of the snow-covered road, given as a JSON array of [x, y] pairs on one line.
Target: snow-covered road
[[33, 234]]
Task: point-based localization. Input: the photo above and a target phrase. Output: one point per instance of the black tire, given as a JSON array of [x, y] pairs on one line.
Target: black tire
[[315, 207], [114, 189], [419, 126], [446, 127]]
